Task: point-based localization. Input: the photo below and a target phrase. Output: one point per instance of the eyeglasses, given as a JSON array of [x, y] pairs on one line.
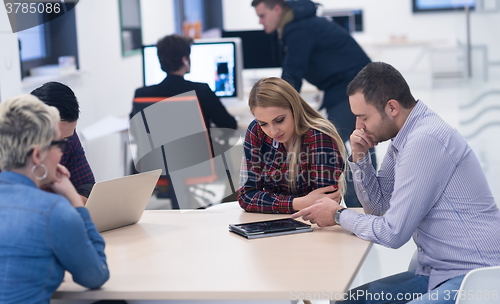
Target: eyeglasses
[[61, 144]]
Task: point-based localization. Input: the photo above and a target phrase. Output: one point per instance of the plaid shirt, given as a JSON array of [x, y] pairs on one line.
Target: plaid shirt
[[264, 181], [74, 159]]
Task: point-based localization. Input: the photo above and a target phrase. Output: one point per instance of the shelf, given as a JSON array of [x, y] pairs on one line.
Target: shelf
[[36, 81]]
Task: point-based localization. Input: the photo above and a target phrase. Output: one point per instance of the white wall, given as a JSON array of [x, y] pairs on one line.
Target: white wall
[[157, 20], [10, 69], [239, 15]]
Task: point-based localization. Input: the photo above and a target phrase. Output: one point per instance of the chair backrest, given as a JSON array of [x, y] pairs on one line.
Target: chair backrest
[[171, 134], [414, 261], [480, 286]]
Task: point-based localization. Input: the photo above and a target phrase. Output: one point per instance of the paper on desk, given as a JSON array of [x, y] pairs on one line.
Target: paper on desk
[[108, 125]]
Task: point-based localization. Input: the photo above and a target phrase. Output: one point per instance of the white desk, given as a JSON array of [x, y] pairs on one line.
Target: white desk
[[191, 255]]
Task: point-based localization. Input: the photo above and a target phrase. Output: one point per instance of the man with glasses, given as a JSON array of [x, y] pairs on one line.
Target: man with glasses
[[62, 97]]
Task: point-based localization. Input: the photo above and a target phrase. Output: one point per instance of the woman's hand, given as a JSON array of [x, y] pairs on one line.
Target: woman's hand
[[63, 186], [312, 197]]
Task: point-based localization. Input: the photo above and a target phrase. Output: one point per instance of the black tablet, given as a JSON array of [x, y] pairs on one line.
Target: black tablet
[[270, 228]]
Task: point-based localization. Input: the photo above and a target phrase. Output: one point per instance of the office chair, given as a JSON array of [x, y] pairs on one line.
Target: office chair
[[480, 286], [171, 134]]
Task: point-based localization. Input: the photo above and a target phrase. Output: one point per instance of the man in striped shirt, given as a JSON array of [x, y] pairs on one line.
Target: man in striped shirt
[[430, 187]]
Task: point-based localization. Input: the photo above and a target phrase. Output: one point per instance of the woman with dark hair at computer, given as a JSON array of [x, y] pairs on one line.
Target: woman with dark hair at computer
[[42, 234], [292, 155]]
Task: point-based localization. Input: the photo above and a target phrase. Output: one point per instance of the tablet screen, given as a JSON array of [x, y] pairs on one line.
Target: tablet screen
[[271, 226]]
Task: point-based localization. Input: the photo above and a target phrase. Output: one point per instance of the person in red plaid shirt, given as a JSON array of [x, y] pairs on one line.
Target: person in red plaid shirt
[[292, 155], [62, 97]]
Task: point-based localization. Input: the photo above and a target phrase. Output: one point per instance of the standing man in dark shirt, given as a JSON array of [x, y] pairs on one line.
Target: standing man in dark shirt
[[62, 97], [321, 52]]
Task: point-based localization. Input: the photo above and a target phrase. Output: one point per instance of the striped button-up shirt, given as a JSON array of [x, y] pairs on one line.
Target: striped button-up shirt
[[264, 170], [430, 186]]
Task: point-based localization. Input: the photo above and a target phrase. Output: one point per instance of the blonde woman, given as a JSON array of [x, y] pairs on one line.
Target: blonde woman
[[42, 234], [292, 155]]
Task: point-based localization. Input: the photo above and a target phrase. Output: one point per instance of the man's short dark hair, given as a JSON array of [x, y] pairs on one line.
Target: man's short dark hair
[[380, 82], [61, 97], [171, 49], [269, 3]]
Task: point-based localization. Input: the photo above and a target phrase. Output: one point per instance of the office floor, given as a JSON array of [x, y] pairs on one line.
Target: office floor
[[471, 106]]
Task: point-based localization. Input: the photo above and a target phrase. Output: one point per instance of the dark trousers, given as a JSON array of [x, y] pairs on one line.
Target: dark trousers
[[342, 118]]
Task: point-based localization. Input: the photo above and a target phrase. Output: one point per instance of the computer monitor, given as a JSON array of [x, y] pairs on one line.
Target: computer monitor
[[350, 19], [441, 5], [260, 50], [217, 62]]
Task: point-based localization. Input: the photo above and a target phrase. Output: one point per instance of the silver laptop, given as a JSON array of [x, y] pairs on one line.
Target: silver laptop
[[120, 202]]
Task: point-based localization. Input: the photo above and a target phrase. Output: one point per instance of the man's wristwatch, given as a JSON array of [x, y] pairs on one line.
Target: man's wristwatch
[[337, 215]]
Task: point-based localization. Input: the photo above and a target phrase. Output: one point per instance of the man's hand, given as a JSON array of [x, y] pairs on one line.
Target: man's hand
[[360, 144], [321, 213]]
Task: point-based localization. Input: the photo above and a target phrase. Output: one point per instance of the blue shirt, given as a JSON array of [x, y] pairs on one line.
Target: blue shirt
[[430, 186], [41, 236]]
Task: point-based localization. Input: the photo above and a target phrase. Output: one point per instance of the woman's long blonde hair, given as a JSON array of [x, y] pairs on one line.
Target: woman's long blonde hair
[[276, 92]]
